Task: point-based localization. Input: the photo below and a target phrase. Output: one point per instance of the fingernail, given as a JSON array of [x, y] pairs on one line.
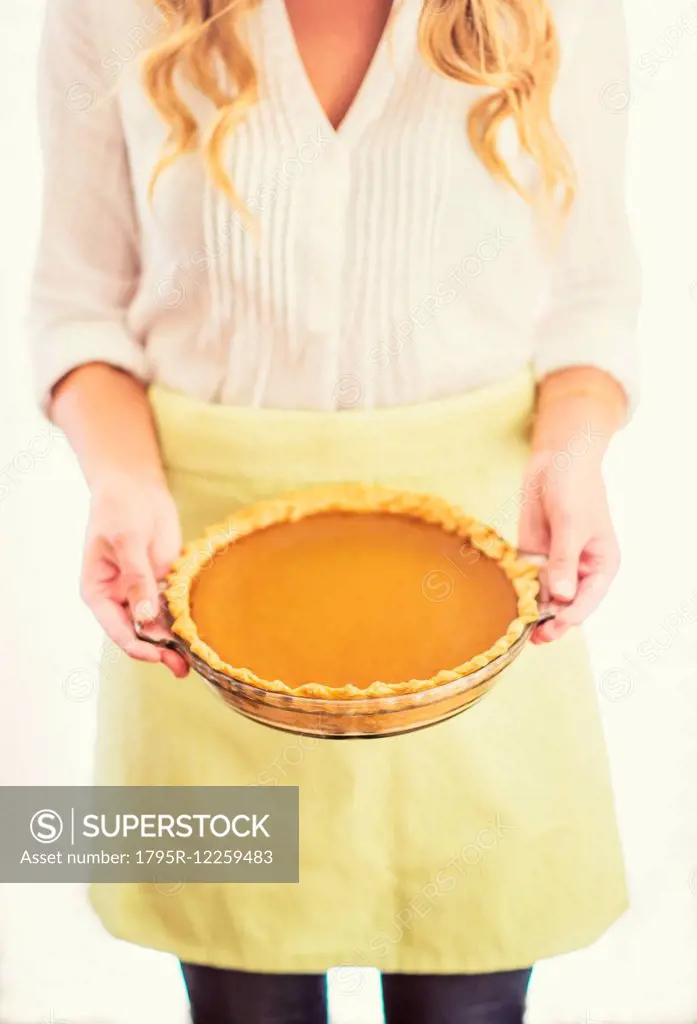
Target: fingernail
[[564, 589], [145, 611]]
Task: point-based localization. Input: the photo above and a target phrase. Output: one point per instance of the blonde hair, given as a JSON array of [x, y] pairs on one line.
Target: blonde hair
[[507, 47]]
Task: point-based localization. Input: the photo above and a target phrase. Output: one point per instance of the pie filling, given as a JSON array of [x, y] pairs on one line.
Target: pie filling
[[343, 598]]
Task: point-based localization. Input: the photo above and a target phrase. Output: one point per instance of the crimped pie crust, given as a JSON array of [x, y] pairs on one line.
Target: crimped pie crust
[[295, 505]]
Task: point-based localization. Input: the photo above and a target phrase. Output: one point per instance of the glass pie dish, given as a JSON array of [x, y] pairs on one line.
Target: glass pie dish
[[348, 599]]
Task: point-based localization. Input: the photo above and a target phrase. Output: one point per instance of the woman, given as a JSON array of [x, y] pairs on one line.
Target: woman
[[300, 241]]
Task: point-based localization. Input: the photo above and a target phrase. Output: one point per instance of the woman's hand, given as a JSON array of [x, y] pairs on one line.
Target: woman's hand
[[565, 511], [565, 515], [132, 539], [133, 534]]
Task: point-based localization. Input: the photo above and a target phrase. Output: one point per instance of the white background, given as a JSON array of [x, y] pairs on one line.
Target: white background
[[56, 963]]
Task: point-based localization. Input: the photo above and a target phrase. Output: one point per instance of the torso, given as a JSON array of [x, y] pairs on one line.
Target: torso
[[390, 267]]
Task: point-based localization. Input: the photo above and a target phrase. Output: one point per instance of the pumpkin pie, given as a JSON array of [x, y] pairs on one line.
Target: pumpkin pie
[[350, 591]]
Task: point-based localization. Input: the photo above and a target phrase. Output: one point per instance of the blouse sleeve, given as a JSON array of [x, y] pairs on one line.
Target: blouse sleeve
[[592, 315], [87, 264]]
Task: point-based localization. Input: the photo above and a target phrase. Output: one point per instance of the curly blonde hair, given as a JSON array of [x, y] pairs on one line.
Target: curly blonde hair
[[508, 47]]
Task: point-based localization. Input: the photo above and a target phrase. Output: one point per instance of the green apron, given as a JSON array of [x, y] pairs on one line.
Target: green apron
[[481, 844]]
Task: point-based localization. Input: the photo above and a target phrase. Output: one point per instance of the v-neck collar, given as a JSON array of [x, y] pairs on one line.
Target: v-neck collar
[[288, 68]]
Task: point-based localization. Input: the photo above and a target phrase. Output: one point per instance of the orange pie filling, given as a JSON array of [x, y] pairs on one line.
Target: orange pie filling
[[350, 601]]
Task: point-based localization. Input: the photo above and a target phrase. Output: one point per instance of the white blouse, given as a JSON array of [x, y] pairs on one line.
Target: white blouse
[[389, 267]]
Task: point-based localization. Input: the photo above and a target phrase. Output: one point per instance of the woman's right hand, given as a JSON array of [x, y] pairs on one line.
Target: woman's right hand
[[133, 537]]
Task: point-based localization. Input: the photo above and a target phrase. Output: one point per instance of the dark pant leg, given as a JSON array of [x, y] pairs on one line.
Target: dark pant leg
[[455, 998], [241, 997]]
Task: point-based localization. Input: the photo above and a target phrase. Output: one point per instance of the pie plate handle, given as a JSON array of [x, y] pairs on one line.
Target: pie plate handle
[[547, 608], [158, 633]]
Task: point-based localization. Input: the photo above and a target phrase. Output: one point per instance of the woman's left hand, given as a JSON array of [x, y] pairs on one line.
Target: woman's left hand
[[565, 515]]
